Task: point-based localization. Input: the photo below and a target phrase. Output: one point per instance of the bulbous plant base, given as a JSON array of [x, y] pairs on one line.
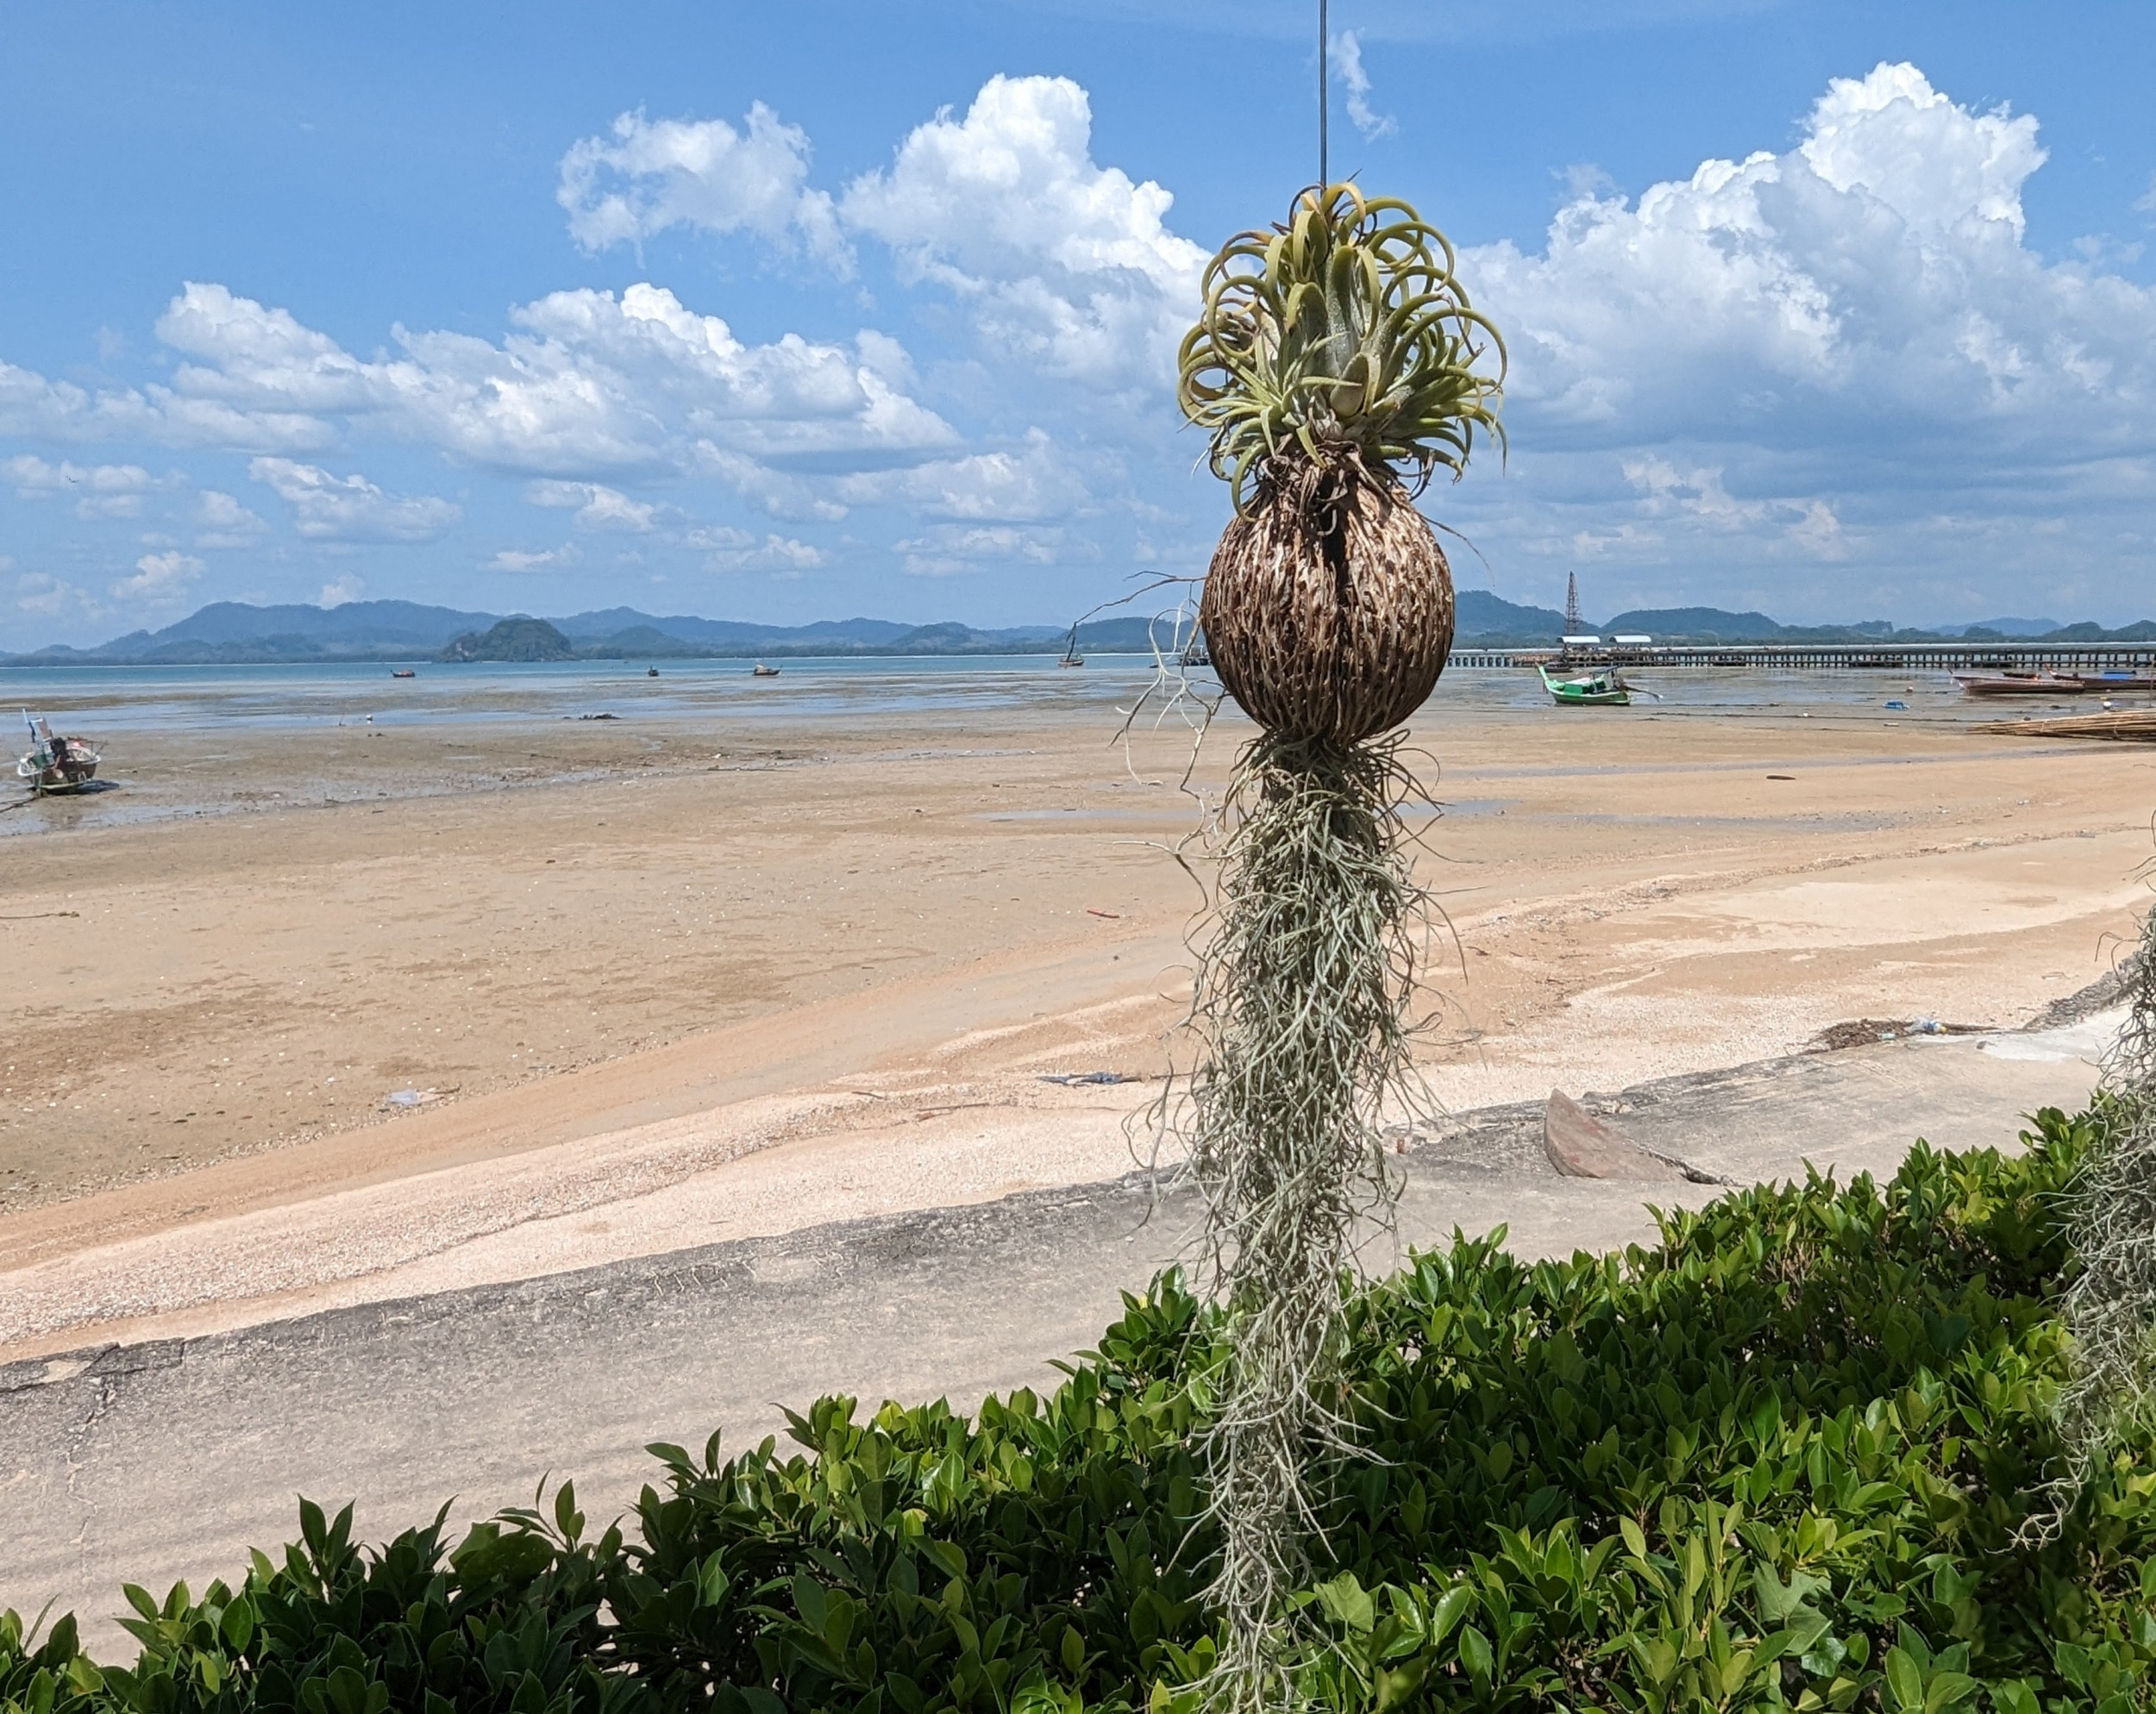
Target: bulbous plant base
[[1328, 608]]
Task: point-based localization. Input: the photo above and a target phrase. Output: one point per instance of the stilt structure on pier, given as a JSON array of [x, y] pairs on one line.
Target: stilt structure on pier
[[1904, 658]]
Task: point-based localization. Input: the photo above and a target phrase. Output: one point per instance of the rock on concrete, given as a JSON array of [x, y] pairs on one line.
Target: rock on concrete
[[1582, 1146]]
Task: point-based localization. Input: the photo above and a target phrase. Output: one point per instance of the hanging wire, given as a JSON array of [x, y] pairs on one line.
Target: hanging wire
[[1324, 173]]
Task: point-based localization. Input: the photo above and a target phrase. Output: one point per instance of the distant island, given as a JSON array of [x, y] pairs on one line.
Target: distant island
[[511, 640], [231, 632]]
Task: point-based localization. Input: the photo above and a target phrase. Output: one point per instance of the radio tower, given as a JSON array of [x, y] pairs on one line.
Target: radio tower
[[1574, 625]]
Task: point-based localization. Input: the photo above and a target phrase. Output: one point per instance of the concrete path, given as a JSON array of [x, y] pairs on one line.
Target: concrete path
[[155, 1462]]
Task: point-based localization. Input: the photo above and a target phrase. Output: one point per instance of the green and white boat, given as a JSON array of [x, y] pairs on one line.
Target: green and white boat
[[55, 765], [1604, 689]]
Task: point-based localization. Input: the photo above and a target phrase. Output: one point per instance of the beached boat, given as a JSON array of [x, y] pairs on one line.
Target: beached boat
[[1595, 689], [55, 765], [2010, 684], [2123, 681], [763, 671]]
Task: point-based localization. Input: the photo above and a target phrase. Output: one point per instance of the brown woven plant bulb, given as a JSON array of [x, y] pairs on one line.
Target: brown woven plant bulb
[[1328, 607]]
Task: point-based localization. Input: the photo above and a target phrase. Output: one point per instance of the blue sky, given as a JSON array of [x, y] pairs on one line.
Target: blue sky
[[795, 312]]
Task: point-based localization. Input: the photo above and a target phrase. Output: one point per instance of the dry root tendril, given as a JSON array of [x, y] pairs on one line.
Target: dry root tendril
[[1302, 1012], [2110, 1308]]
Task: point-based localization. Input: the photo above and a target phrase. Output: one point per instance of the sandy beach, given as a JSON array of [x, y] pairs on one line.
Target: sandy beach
[[365, 1010]]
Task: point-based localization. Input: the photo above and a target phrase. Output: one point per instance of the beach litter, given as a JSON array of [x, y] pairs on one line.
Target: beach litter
[[1068, 1078], [411, 1098], [1861, 1032]]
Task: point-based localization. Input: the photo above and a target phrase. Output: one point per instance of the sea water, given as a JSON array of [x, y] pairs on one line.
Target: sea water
[[103, 701]]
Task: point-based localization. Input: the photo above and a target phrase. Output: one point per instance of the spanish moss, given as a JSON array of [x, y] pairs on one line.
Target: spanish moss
[[1303, 1010], [2110, 1307]]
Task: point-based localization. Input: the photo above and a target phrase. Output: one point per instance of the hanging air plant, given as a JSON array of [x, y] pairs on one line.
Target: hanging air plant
[[1335, 356], [1335, 365]]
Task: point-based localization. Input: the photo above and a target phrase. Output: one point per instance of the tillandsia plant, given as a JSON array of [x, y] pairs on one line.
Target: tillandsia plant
[[1337, 364], [1333, 364], [2110, 1307]]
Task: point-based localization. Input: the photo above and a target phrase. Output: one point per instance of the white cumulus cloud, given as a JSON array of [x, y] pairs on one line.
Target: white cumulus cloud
[[1880, 263], [224, 522], [159, 578], [1034, 482], [111, 491], [728, 549], [1843, 350], [350, 508], [650, 174], [1698, 495], [43, 596], [595, 505], [585, 382], [948, 550], [32, 407], [337, 593], [1066, 263]]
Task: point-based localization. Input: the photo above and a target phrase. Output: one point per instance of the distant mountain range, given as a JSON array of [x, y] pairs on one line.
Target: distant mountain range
[[1482, 617], [233, 632]]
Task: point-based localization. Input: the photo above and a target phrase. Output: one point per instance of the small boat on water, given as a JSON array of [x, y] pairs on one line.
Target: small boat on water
[[1604, 689], [55, 765], [404, 672], [764, 671], [651, 671], [1072, 660]]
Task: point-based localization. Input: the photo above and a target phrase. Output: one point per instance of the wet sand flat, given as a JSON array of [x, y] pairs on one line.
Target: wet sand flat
[[641, 954]]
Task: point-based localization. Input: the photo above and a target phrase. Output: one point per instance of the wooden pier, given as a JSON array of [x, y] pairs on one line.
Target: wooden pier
[[1942, 657]]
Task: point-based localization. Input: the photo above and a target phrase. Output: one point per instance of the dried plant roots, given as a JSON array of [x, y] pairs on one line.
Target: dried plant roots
[[1302, 1009], [2110, 1307]]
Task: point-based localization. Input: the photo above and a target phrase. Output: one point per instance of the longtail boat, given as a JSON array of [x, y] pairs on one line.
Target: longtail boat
[[1604, 689], [2020, 684], [54, 765]]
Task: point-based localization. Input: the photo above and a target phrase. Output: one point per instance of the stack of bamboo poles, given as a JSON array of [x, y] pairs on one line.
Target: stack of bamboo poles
[[2132, 725]]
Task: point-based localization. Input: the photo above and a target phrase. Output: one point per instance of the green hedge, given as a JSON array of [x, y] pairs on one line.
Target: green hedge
[[1781, 1460]]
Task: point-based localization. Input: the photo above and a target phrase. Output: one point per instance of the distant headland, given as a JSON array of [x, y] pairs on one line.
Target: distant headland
[[230, 632]]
